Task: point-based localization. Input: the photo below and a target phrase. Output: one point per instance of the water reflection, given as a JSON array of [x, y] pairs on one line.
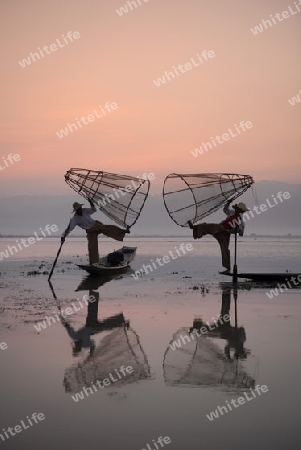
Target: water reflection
[[118, 346], [195, 357]]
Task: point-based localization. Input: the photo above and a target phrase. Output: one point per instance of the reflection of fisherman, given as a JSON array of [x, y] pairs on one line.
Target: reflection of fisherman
[[81, 338], [202, 363], [222, 231], [83, 219], [235, 336]]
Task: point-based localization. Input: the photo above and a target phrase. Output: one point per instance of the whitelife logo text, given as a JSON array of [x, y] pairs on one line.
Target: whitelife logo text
[[85, 120], [205, 146], [33, 57], [183, 68]]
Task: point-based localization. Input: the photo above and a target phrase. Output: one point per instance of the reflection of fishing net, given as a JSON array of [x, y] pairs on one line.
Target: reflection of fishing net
[[193, 197], [120, 197], [121, 347], [202, 363]]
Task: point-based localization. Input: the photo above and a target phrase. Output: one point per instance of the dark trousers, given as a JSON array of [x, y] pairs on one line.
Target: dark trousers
[[220, 234], [92, 235]]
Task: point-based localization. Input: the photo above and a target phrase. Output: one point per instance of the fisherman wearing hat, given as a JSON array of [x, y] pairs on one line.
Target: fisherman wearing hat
[[222, 231], [82, 218]]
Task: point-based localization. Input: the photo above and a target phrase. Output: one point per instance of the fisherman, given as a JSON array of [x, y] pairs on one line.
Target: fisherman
[[222, 231], [82, 218]]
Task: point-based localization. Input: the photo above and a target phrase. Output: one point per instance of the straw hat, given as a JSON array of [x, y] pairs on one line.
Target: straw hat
[[242, 207], [76, 206]]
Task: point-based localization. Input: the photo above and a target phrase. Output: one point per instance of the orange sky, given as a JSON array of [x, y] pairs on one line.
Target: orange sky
[[154, 128]]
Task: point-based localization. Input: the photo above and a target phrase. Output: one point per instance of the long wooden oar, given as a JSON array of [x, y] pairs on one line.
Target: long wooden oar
[[55, 261], [234, 278]]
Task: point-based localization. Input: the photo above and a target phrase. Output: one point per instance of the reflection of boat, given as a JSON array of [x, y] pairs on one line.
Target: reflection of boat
[[196, 360], [120, 347], [103, 267], [93, 283], [267, 276]]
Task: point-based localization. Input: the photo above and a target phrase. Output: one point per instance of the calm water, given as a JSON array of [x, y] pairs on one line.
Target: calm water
[[170, 392], [283, 248]]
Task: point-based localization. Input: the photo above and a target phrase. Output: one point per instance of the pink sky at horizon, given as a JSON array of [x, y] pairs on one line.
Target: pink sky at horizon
[[154, 128]]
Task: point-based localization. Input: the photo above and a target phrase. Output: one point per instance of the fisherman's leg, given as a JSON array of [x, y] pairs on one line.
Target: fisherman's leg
[[92, 237], [205, 228], [111, 231], [223, 238]]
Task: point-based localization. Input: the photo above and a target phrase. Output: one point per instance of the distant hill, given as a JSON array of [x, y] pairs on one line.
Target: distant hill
[[23, 215]]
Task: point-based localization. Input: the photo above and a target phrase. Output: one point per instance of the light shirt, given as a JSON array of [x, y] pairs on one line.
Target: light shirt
[[241, 226], [85, 221]]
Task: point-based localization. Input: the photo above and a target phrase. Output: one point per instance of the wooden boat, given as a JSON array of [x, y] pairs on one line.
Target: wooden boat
[[103, 267], [286, 276]]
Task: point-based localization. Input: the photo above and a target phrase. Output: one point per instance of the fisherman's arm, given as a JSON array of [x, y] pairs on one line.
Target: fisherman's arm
[[70, 227], [93, 209], [227, 209]]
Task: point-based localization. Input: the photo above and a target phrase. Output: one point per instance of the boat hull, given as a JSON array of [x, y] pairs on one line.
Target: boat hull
[[286, 276], [103, 268]]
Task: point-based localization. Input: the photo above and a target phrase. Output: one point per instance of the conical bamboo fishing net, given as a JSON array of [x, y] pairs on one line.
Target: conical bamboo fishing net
[[193, 197], [120, 197]]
